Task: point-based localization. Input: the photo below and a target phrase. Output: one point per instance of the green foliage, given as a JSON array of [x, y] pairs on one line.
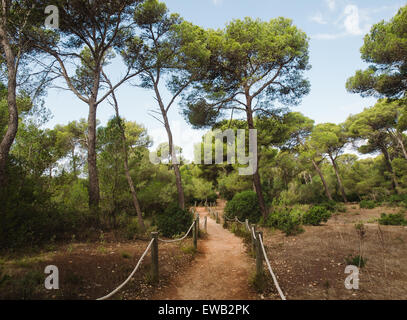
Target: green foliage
[[244, 206], [383, 49], [367, 204], [287, 220], [396, 219], [174, 221], [316, 215], [132, 229], [357, 261]]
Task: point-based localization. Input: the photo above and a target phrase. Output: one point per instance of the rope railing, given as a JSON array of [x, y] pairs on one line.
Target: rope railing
[[280, 292], [180, 239], [130, 276]]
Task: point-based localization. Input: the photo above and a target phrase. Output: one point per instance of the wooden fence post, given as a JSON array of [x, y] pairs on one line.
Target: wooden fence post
[[246, 224], [253, 240], [194, 235], [197, 229], [217, 217], [206, 224], [154, 257], [259, 255]]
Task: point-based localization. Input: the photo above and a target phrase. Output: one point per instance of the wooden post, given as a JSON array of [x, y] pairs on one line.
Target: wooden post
[[194, 235], [206, 224], [246, 224], [259, 255], [197, 222], [154, 257], [217, 217], [253, 240]]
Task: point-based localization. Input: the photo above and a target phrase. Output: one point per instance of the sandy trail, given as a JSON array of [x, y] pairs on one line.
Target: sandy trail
[[220, 271]]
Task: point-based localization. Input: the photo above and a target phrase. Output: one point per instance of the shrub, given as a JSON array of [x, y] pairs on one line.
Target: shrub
[[316, 215], [244, 205], [397, 219], [286, 220], [174, 221], [367, 204], [132, 229], [330, 205], [357, 261]]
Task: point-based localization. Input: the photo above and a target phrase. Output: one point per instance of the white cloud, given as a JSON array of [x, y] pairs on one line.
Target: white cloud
[[352, 20], [318, 18], [331, 4], [217, 2]]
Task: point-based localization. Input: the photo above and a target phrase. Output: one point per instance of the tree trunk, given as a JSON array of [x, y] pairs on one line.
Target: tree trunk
[[94, 193], [341, 188], [390, 168], [400, 142], [256, 175], [136, 203], [178, 178], [12, 127], [328, 194]]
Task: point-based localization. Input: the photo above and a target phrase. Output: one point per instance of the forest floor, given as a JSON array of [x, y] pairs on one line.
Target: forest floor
[[312, 265], [91, 270], [220, 271]]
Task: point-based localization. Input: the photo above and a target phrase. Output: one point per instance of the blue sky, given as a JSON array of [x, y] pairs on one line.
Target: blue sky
[[336, 29]]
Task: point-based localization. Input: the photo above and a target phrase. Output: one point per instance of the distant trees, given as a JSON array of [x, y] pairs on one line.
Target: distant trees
[[330, 139]]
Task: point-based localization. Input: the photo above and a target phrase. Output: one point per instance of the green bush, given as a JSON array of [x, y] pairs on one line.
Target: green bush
[[397, 219], [286, 220], [398, 199], [132, 229], [330, 205], [244, 205], [315, 215], [174, 221], [367, 204]]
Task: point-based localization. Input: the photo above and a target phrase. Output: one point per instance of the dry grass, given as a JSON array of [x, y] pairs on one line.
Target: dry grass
[[312, 265]]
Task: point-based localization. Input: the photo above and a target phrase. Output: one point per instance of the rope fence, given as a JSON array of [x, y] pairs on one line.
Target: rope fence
[[153, 245], [280, 292], [180, 239], [257, 247], [130, 276], [259, 250]]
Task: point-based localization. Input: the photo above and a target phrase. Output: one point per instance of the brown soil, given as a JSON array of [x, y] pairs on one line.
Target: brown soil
[[220, 271], [312, 264], [91, 270]]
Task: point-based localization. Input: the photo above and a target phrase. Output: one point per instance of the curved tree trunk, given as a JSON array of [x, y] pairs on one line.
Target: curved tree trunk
[[12, 127], [178, 178], [136, 203], [390, 169], [338, 177], [327, 192]]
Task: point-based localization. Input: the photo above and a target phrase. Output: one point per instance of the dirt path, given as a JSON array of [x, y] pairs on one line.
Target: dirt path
[[220, 271]]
